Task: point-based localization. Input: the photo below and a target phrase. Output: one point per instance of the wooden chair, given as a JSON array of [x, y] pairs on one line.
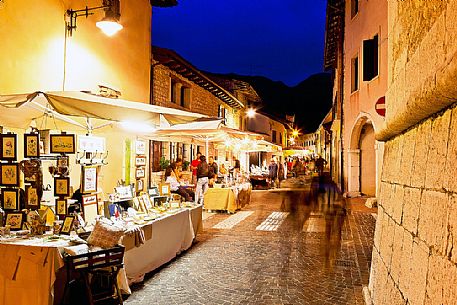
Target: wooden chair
[[103, 264]]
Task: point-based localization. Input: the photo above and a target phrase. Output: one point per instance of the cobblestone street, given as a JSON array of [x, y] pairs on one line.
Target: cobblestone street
[[284, 248]]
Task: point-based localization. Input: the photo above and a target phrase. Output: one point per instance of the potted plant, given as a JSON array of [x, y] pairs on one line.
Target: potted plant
[[185, 165], [164, 163]]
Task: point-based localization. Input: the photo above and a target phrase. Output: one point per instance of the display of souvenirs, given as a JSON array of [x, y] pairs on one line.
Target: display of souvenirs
[[32, 170]]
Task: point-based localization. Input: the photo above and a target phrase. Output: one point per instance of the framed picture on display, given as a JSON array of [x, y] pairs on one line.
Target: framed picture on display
[[140, 147], [62, 143], [140, 172], [139, 185], [89, 179], [61, 207], [15, 220], [8, 147], [90, 207], [10, 199], [32, 200], [147, 201], [62, 186], [164, 189], [153, 191], [124, 192], [31, 145], [140, 161], [63, 168], [67, 225], [9, 174]]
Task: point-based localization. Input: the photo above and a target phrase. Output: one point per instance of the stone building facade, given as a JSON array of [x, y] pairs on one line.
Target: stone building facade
[[414, 256], [176, 83]]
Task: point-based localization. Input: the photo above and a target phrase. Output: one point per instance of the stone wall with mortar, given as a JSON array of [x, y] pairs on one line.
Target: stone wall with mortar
[[414, 257]]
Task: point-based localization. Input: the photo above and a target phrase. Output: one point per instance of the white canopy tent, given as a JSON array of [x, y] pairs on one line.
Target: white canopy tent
[[213, 130], [83, 110]]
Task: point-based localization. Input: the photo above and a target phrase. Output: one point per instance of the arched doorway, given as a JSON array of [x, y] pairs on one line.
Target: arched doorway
[[367, 160], [362, 158]]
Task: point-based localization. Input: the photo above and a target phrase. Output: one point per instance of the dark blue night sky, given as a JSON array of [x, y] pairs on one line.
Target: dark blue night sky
[[280, 39]]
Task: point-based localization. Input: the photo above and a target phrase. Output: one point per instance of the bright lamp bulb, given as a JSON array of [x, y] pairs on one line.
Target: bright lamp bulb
[[250, 113], [109, 27]]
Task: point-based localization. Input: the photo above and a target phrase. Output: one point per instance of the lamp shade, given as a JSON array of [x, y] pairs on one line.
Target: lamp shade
[[109, 26]]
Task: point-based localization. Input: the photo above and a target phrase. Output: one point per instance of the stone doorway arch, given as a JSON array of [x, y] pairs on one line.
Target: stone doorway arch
[[362, 158]]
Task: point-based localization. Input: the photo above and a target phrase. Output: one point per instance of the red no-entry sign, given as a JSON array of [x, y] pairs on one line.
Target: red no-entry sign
[[380, 106]]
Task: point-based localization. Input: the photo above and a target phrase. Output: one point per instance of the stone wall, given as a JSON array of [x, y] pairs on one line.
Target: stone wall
[[201, 100], [414, 257], [422, 62]]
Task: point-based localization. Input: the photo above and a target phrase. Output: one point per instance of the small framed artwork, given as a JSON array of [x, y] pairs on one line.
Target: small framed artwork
[[32, 200], [140, 147], [140, 161], [147, 201], [164, 189], [61, 207], [89, 179], [62, 143], [9, 174], [90, 207], [31, 145], [8, 147], [10, 199], [124, 192], [67, 225], [62, 186], [136, 203], [139, 185], [153, 191], [140, 172], [15, 220]]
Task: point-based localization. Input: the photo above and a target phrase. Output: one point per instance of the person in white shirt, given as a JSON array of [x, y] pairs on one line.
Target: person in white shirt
[[176, 187]]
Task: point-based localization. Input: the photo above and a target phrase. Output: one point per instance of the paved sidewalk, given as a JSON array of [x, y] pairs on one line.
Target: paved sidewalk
[[316, 250]]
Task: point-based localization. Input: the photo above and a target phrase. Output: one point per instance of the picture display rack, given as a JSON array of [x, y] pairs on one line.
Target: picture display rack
[[60, 172], [9, 176], [140, 166]]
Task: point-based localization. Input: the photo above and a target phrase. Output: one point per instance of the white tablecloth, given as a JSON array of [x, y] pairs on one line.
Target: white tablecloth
[[170, 236], [28, 267]]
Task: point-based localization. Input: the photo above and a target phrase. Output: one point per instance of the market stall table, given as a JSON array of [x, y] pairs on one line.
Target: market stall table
[[30, 267], [28, 271], [165, 238], [228, 199]]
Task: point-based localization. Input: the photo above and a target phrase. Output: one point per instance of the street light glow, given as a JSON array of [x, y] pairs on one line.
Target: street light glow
[[295, 133], [250, 113], [109, 27]]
